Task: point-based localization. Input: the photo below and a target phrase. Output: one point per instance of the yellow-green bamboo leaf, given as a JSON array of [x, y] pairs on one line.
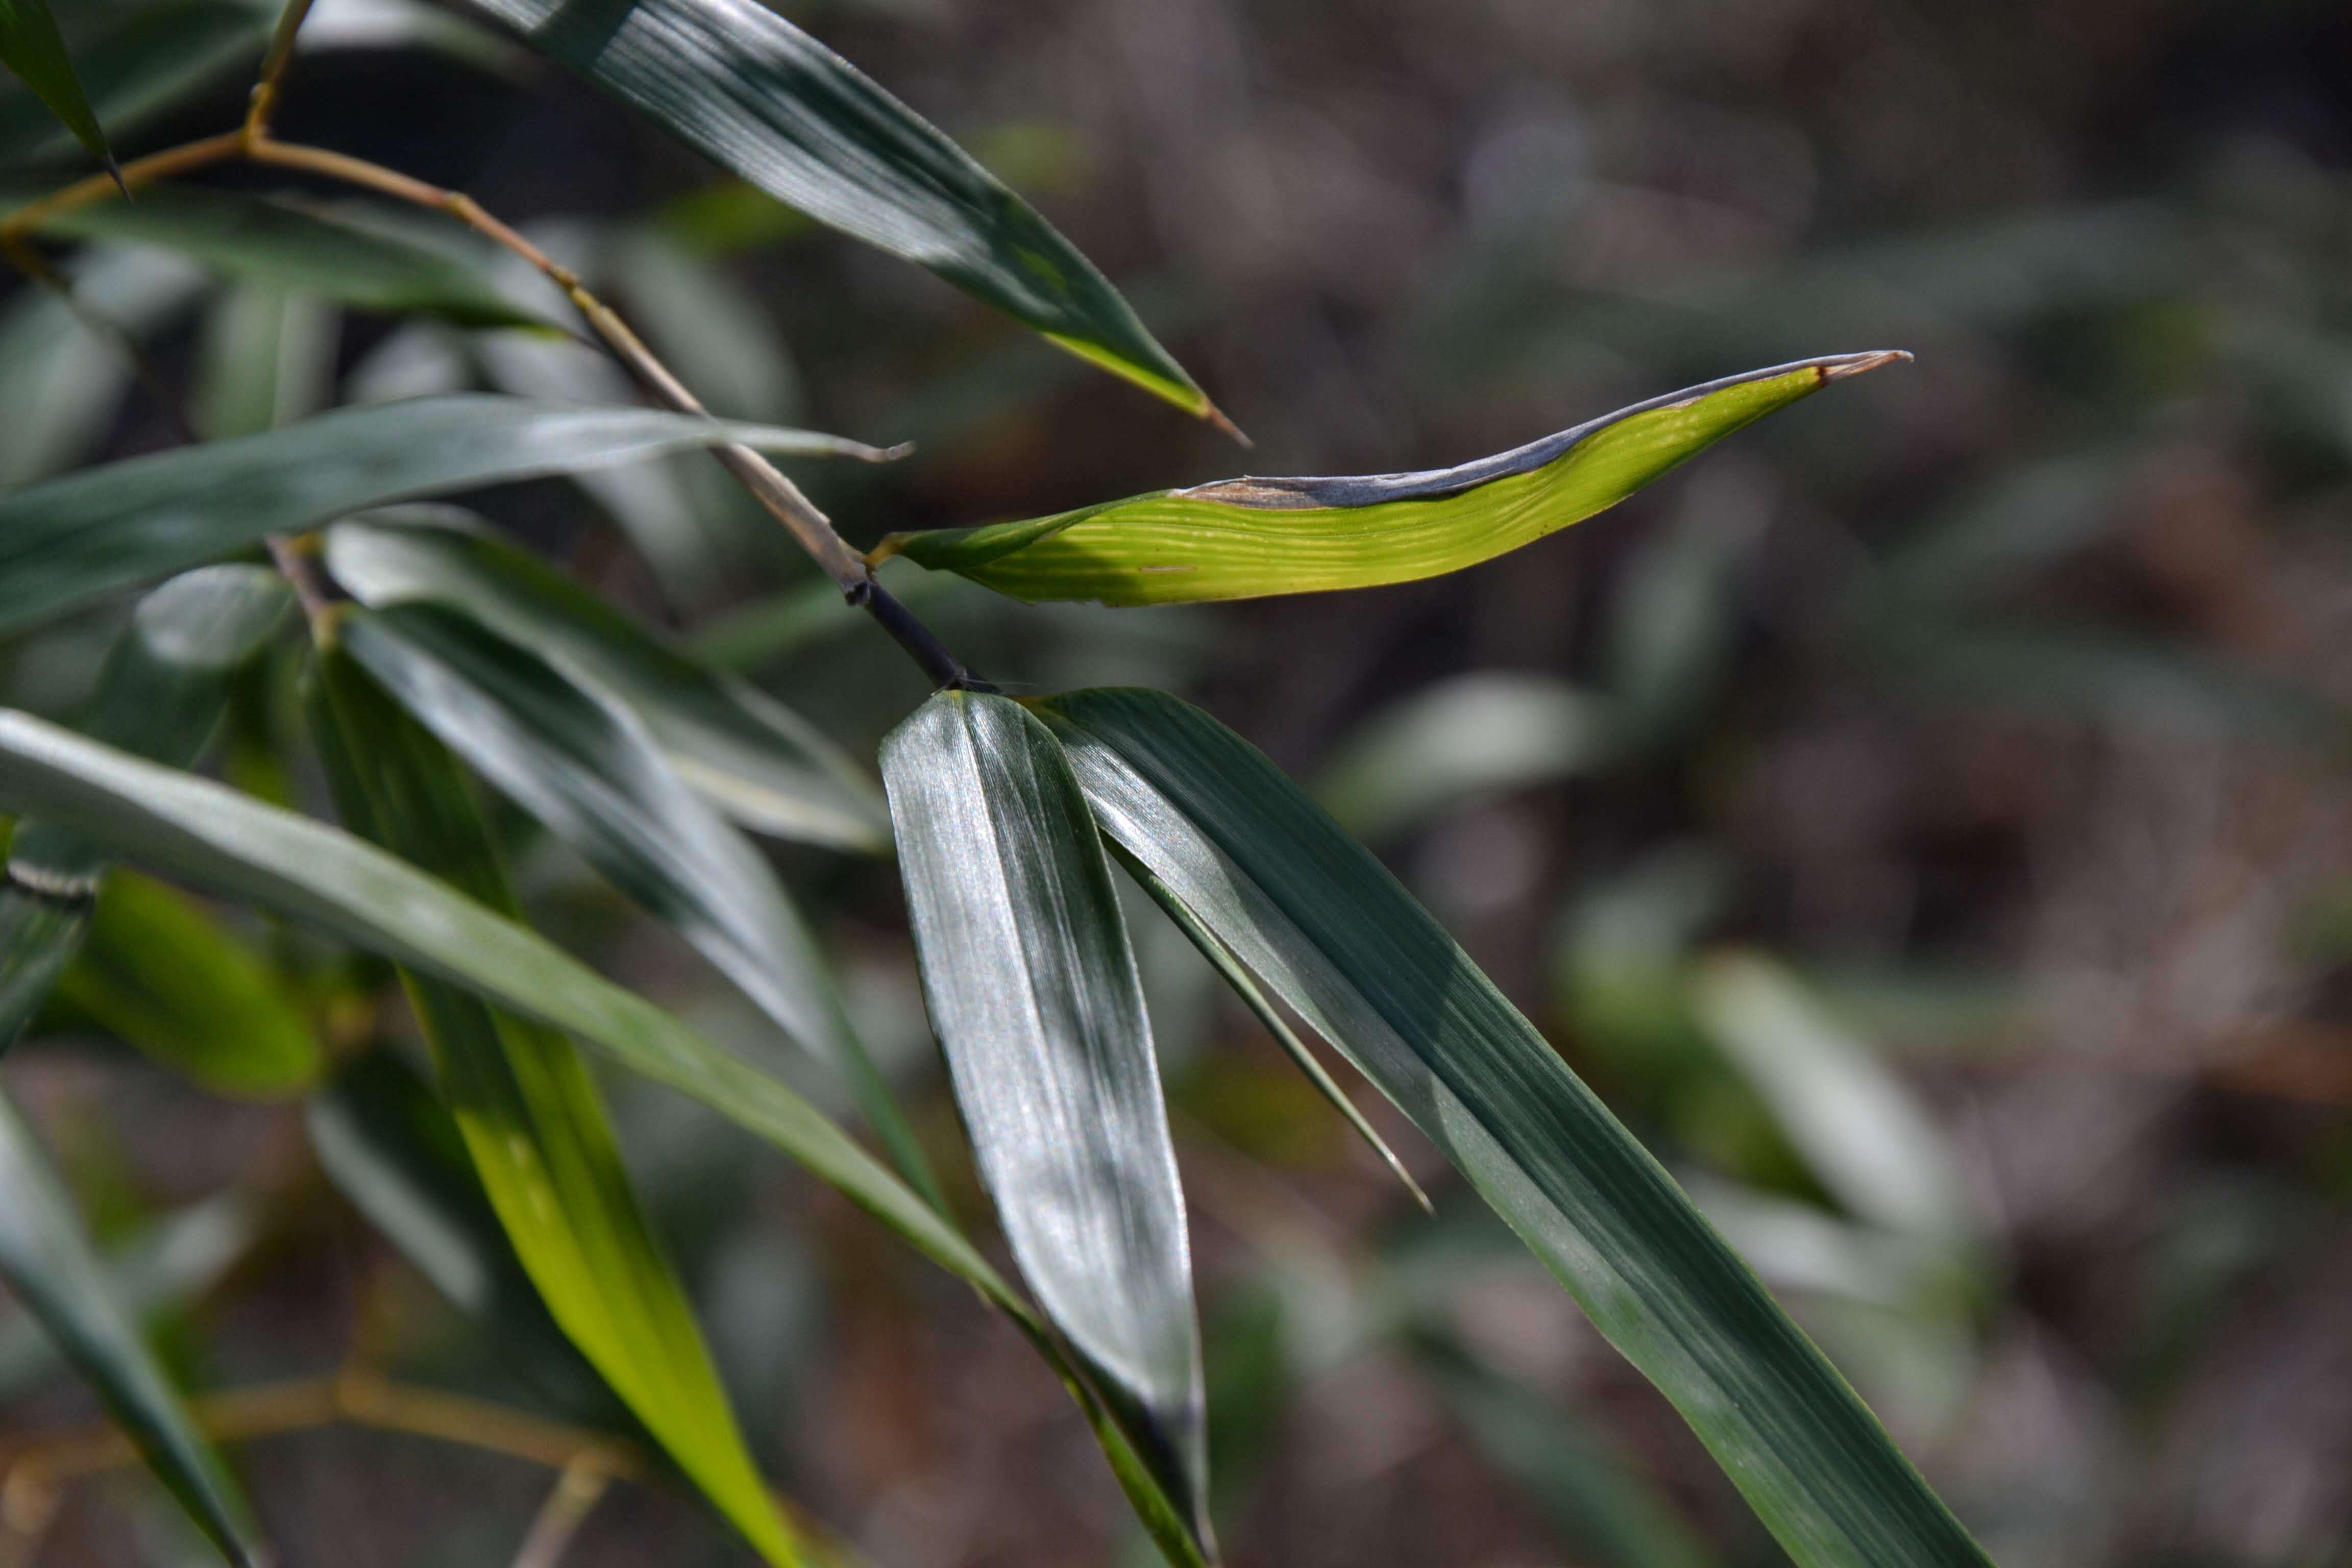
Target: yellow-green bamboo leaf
[[1245, 538]]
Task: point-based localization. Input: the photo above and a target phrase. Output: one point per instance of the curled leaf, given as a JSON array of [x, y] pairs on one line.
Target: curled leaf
[[1241, 539]]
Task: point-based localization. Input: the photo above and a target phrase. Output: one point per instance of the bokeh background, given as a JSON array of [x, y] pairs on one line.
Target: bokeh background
[[1922, 819]]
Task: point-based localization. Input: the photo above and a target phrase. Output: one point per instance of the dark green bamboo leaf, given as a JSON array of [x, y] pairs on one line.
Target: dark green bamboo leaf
[[767, 101], [387, 1142], [241, 848], [288, 245], [157, 973], [761, 763], [73, 539], [580, 764], [48, 1261], [163, 1267], [31, 47], [145, 68], [1240, 539], [534, 1123], [161, 695], [264, 358], [1341, 942], [1229, 971], [1033, 994]]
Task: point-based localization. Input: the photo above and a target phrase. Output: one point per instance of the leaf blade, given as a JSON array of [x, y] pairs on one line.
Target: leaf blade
[[761, 763], [31, 46], [70, 539], [48, 1262], [291, 245], [1309, 910], [1244, 538], [760, 97], [1033, 990], [584, 767], [161, 695], [535, 1124]]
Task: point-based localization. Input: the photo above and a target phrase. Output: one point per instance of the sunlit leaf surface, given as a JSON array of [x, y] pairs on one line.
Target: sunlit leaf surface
[[767, 101], [1033, 990], [1338, 938], [1240, 539]]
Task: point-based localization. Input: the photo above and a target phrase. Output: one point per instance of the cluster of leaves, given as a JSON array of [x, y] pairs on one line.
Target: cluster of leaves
[[440, 653]]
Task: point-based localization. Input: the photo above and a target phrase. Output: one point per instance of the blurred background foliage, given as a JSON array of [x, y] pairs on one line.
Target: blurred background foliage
[[1922, 820]]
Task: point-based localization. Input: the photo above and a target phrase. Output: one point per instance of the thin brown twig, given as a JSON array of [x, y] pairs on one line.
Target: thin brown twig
[[567, 1507], [264, 101]]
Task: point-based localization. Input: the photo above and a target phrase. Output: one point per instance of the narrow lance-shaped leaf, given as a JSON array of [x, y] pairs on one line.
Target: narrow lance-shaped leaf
[[142, 70], [70, 539], [761, 763], [240, 848], [1033, 990], [534, 1123], [1240, 539], [31, 47], [583, 766], [286, 244], [1229, 969], [389, 1145], [735, 80], [161, 695], [48, 1262], [159, 975], [1339, 939]]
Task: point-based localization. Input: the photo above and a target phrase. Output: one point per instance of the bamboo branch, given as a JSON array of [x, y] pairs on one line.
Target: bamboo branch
[[264, 101]]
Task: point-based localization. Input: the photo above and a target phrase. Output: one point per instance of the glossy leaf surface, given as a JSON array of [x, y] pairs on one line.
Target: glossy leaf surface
[[48, 1263], [535, 1124], [1340, 940], [580, 764], [763, 764], [31, 47], [240, 848], [1240, 539], [1033, 990], [762, 98], [70, 539]]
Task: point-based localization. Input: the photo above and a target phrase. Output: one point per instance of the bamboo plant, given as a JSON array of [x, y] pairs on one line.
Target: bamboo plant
[[441, 655]]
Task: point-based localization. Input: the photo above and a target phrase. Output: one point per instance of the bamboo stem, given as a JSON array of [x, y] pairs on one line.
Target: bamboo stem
[[264, 101], [576, 1492]]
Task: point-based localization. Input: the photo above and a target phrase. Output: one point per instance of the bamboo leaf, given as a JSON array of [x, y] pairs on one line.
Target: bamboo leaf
[[288, 245], [307, 871], [1334, 934], [166, 1264], [1229, 969], [535, 1124], [140, 69], [762, 98], [389, 1145], [159, 975], [1033, 990], [759, 762], [586, 768], [31, 47], [1240, 539], [48, 1262], [161, 695], [73, 539]]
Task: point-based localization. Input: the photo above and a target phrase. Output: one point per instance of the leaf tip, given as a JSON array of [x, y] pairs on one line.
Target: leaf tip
[[1844, 366], [114, 170], [1217, 420]]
